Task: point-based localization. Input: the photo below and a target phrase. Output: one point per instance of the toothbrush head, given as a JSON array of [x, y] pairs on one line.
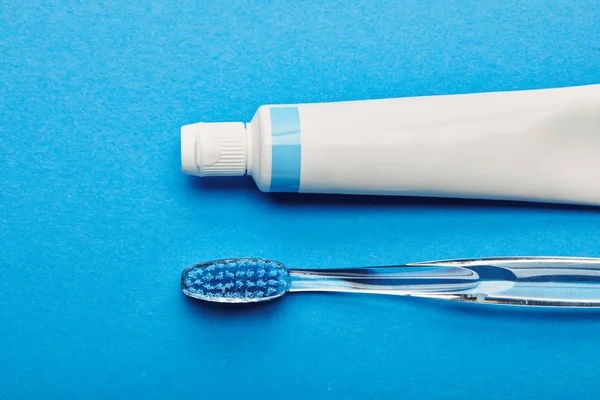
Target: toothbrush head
[[238, 280]]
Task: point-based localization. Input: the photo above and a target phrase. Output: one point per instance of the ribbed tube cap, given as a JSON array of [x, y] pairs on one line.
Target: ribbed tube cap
[[213, 149]]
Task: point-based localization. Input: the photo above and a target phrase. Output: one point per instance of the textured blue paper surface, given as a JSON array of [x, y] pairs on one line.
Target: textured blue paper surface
[[97, 222]]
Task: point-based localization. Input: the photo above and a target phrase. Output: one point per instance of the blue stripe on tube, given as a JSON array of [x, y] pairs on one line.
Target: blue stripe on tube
[[286, 149]]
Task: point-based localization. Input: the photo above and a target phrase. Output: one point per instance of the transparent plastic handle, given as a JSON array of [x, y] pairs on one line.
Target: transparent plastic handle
[[531, 281]]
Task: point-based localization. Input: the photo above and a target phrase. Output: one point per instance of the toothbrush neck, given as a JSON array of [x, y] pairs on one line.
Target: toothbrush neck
[[392, 280]]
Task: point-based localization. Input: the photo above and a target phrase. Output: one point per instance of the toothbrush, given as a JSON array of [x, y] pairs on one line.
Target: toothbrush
[[523, 281]]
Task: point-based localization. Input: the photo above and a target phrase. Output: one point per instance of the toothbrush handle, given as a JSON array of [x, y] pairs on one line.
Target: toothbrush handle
[[531, 281], [538, 281]]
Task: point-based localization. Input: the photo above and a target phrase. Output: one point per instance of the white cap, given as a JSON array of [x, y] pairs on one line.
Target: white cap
[[213, 149]]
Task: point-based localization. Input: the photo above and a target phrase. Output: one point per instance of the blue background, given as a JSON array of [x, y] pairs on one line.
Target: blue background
[[97, 221]]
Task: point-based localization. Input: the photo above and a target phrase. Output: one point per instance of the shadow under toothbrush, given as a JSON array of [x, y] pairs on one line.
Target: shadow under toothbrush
[[460, 309], [468, 309], [220, 310], [495, 311], [246, 185]]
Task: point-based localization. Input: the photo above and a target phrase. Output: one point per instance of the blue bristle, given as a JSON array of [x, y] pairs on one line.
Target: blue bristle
[[236, 280]]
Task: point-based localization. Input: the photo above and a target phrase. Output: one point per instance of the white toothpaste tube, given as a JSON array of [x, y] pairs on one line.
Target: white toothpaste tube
[[530, 145]]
